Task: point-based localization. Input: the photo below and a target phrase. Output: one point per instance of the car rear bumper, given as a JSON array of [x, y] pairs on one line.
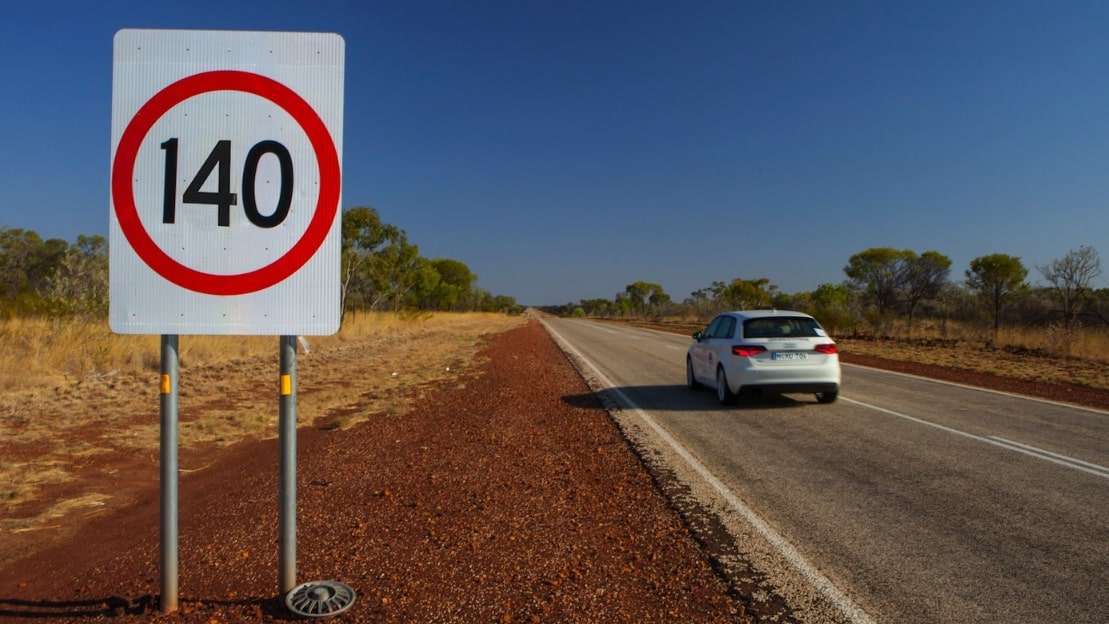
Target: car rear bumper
[[791, 387], [822, 377]]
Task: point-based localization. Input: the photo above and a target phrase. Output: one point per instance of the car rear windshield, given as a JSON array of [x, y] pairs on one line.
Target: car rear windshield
[[781, 327]]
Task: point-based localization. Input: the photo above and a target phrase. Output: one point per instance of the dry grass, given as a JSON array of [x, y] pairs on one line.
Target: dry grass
[[65, 410], [1047, 354], [42, 352], [21, 481], [54, 513], [1089, 343]]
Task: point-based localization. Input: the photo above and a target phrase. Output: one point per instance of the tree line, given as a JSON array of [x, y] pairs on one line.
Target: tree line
[[883, 284], [380, 270], [52, 276]]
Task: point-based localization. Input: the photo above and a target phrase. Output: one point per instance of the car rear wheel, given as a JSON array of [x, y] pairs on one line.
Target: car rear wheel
[[724, 393], [690, 379], [827, 397]]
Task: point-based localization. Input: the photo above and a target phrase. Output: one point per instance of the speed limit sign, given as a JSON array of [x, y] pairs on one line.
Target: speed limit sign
[[226, 178]]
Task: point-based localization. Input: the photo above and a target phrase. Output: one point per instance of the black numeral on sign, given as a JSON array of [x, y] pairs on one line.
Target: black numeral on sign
[[219, 160], [169, 197], [284, 198], [223, 198]]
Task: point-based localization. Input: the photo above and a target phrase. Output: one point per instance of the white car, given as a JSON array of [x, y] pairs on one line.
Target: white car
[[769, 350]]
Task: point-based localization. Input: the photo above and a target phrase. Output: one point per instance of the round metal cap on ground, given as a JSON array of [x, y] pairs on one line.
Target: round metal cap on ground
[[318, 599]]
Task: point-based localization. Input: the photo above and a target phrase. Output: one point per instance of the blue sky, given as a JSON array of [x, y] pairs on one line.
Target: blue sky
[[565, 149]]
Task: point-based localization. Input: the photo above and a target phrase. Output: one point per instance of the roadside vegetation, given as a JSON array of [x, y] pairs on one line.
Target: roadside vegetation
[[996, 315], [383, 270], [58, 441], [78, 402], [54, 302]]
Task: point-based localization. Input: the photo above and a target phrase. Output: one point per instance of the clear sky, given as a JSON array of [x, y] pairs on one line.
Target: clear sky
[[564, 149]]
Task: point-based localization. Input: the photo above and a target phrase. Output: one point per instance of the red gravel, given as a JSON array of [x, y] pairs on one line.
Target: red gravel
[[497, 502]]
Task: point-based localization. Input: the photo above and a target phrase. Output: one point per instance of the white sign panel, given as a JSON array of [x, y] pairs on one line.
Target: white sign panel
[[226, 182]]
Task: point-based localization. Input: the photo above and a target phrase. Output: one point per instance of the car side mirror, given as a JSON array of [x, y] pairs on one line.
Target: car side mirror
[[697, 335]]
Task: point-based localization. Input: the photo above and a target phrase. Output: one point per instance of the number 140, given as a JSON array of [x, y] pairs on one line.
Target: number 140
[[223, 198]]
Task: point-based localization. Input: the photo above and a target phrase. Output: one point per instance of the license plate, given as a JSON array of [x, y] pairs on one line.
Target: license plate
[[787, 355]]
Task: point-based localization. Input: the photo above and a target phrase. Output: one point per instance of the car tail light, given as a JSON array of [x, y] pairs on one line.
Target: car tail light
[[747, 350], [826, 349]]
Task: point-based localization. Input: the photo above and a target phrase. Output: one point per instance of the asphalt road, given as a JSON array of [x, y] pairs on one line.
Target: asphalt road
[[921, 501]]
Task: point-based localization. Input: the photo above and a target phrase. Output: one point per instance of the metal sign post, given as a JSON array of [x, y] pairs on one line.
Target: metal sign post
[[315, 598], [168, 408], [287, 468]]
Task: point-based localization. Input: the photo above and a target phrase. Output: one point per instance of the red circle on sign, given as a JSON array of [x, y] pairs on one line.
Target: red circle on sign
[[123, 195]]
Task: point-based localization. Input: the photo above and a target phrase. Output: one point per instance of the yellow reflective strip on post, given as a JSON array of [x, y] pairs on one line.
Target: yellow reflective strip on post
[[286, 385], [167, 386]]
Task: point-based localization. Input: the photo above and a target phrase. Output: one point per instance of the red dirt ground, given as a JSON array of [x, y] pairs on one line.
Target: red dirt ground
[[496, 502]]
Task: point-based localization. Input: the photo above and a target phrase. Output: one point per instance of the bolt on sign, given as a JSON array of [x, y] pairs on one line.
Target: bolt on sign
[[226, 182]]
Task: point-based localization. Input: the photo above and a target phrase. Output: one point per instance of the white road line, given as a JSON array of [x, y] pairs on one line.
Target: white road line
[[1013, 395], [1066, 458], [631, 330], [658, 331], [846, 606], [997, 443], [611, 331]]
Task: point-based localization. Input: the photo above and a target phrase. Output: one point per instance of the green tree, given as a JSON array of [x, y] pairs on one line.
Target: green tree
[[504, 303], [27, 262], [744, 294], [789, 301], [622, 304], [426, 284], [480, 300], [28, 265], [80, 282], [363, 233], [454, 272], [643, 297], [831, 305], [596, 307], [996, 278], [881, 273], [394, 269], [455, 281], [658, 299], [700, 301], [637, 293], [925, 277]]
